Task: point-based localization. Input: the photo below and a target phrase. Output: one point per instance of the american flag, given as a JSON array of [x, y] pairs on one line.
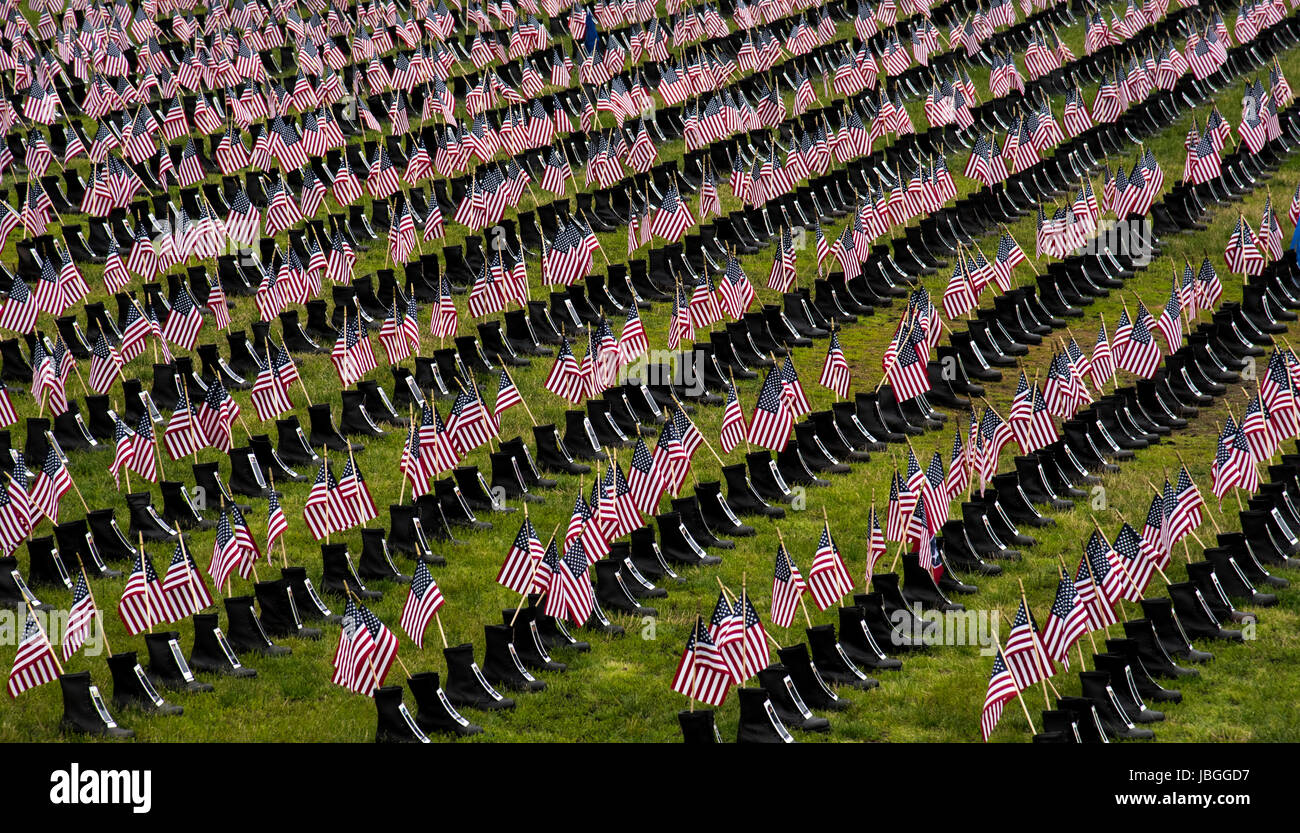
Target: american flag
[[1024, 652], [1186, 513], [1067, 622], [422, 603], [726, 628], [1233, 463], [52, 483], [1137, 562], [1242, 254], [673, 217], [227, 555], [772, 420], [507, 395], [124, 447], [566, 379], [19, 309], [1141, 354], [317, 510], [35, 663], [569, 595], [525, 553], [828, 580], [365, 652], [276, 523], [143, 603], [1002, 687], [787, 588], [1089, 583], [184, 321], [645, 481], [81, 617], [906, 373], [703, 673]]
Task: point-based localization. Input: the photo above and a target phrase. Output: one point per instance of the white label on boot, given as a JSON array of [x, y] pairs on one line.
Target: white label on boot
[[175, 648], [776, 474], [25, 590], [411, 724], [451, 710], [225, 647], [257, 471], [59, 565], [776, 722], [818, 675], [537, 641], [636, 574], [315, 597], [492, 692], [848, 662], [794, 695], [519, 666], [293, 608], [94, 552], [147, 686], [97, 700], [1114, 702]]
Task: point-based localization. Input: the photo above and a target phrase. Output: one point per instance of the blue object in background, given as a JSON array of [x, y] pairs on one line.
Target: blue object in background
[[1295, 242], [589, 36]]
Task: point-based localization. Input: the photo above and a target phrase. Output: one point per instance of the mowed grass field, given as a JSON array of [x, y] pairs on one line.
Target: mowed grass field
[[620, 690]]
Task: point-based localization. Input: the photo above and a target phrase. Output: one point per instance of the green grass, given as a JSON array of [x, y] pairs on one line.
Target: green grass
[[619, 691]]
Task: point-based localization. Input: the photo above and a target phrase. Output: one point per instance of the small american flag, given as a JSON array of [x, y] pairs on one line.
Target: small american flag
[[787, 588], [422, 603], [703, 673], [828, 580], [1002, 687], [35, 663], [1024, 652], [772, 420], [81, 617]]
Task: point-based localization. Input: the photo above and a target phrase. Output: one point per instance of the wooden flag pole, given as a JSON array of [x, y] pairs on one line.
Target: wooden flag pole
[[144, 561]]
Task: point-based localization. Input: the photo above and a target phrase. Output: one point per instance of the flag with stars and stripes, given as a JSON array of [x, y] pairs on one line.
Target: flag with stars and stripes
[[422, 601]]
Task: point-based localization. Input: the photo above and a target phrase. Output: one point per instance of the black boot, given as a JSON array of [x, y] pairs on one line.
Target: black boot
[[178, 510], [467, 688], [759, 722], [167, 665], [132, 687], [280, 610], [338, 575], [375, 562], [698, 726], [859, 643], [324, 434], [501, 665], [355, 419], [293, 446], [84, 709], [395, 724], [788, 702], [832, 661], [808, 679], [108, 538], [613, 593], [406, 535], [434, 711], [311, 607], [145, 520], [246, 633], [212, 653]]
